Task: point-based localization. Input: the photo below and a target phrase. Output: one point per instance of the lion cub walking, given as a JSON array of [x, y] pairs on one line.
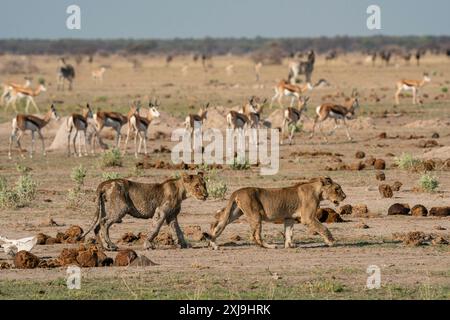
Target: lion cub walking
[[296, 203]]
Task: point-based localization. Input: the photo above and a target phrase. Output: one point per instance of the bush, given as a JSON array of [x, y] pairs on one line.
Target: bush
[[216, 187], [240, 164], [21, 195], [444, 89], [428, 183], [296, 126], [110, 176], [111, 158], [407, 162], [78, 175]]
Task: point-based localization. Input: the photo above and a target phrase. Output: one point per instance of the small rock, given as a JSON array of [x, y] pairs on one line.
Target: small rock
[[440, 211], [419, 211], [380, 176], [379, 164], [25, 260], [435, 135], [360, 155], [396, 186], [345, 209], [398, 209], [385, 191]]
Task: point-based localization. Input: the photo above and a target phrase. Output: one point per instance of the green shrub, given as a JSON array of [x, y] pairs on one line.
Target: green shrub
[[110, 176], [217, 188], [428, 183], [296, 126], [407, 162], [444, 89], [240, 164], [20, 195], [111, 158], [78, 175]]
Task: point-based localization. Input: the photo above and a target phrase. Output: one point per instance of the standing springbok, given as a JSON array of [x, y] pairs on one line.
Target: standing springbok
[[65, 72], [97, 75], [284, 88], [140, 127], [16, 92], [113, 120], [25, 122], [336, 112], [79, 122], [253, 110], [291, 118], [411, 85], [194, 121]]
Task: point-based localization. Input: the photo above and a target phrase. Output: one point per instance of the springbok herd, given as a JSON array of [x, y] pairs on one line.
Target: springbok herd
[[162, 202]]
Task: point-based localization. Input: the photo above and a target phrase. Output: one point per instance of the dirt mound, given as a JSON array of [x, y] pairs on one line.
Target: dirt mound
[[419, 211], [41, 238], [129, 237], [215, 120], [396, 186], [328, 215], [71, 235], [398, 209], [433, 123], [73, 232], [164, 238], [360, 210], [25, 260], [68, 257], [345, 209], [87, 257], [442, 153], [142, 261], [5, 265], [194, 232], [49, 264], [418, 238], [125, 258], [360, 155], [380, 176], [60, 140], [385, 191], [379, 164], [440, 211]]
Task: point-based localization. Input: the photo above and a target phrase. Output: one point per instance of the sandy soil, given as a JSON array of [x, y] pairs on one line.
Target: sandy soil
[[241, 261]]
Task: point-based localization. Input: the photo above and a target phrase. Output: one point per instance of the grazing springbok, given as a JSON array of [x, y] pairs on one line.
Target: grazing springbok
[[97, 75], [302, 67], [411, 85], [7, 88], [26, 122], [17, 92], [336, 112], [79, 123], [113, 120], [291, 118], [139, 125], [294, 91], [65, 72]]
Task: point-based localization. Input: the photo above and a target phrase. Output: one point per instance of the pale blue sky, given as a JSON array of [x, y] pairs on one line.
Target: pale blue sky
[[220, 18]]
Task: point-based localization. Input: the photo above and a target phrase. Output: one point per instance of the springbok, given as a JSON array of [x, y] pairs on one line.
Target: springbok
[[97, 75], [26, 122], [79, 122], [258, 67], [194, 121], [28, 94], [291, 118], [113, 120], [284, 88], [336, 112], [302, 67], [7, 88], [237, 120], [411, 85], [65, 72], [140, 127], [253, 110]]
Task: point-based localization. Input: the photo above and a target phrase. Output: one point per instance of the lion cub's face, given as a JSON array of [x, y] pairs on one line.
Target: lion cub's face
[[332, 191], [195, 185]]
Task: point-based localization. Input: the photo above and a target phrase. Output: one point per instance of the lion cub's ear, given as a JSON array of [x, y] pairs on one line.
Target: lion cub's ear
[[326, 181]]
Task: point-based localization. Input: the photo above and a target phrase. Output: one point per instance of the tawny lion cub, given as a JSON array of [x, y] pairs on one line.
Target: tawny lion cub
[[160, 201], [297, 203]]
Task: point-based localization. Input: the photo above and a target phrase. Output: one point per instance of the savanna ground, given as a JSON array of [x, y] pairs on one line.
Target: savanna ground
[[240, 269]]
